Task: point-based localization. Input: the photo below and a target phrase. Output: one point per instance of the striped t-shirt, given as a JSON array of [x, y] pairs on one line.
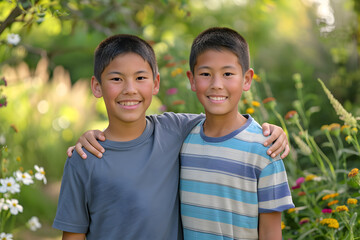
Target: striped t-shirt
[[226, 182]]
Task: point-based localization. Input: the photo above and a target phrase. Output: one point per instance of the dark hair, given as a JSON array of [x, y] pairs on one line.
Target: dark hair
[[115, 45], [220, 38]]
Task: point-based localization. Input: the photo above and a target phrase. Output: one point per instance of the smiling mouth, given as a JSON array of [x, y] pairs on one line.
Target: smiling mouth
[[217, 98], [132, 103]]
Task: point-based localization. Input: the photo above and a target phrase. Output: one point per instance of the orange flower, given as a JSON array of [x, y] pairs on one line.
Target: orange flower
[[332, 195], [333, 202], [178, 102], [14, 128], [353, 172], [291, 114], [269, 99]]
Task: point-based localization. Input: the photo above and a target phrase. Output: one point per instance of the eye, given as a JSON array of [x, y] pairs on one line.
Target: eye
[[228, 74], [205, 74], [141, 78], [116, 79]]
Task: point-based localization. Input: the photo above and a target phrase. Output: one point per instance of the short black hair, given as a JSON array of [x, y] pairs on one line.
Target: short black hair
[[220, 38], [118, 44]]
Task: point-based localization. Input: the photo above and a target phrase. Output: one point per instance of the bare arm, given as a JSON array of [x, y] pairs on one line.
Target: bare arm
[[278, 138], [270, 226], [89, 140], [73, 236]]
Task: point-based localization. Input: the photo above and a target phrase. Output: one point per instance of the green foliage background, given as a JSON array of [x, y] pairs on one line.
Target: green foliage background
[[52, 64]]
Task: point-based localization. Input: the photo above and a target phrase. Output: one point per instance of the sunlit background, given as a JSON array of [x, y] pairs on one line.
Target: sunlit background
[[46, 58]]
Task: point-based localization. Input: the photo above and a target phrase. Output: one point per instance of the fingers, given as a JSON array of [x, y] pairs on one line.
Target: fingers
[[286, 152], [89, 141], [99, 135], [70, 151], [79, 150], [93, 146], [278, 146], [266, 129]]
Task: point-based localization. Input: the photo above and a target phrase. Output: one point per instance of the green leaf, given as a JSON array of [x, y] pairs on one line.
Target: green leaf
[[302, 236]]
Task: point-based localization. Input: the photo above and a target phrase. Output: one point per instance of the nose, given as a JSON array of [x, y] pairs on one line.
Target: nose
[[217, 82], [130, 87]]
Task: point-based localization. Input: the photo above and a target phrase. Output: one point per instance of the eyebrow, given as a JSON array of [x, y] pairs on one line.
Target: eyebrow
[[120, 73], [207, 67]]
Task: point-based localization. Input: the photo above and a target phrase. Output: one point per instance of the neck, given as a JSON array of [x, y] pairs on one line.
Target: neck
[[123, 132], [219, 126]]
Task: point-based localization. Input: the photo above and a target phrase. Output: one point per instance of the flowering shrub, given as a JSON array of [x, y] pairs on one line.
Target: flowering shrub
[[326, 191], [12, 179]]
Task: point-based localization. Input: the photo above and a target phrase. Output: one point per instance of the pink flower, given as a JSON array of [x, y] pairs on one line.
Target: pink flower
[[171, 91], [299, 181], [295, 187], [163, 108], [326, 210], [304, 220]]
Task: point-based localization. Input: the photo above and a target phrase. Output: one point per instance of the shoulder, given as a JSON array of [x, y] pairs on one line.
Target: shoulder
[[180, 120]]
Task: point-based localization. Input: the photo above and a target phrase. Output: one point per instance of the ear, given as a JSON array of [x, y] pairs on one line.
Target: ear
[[190, 76], [96, 87], [248, 79], [156, 84]]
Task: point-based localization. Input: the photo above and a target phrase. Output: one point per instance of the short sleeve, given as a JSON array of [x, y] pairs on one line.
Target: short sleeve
[[72, 212], [273, 189], [184, 122]]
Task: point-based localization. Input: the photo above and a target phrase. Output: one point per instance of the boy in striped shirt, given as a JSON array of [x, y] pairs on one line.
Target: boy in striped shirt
[[229, 187]]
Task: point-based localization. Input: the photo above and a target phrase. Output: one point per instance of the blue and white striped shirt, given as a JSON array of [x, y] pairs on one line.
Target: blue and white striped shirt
[[226, 182]]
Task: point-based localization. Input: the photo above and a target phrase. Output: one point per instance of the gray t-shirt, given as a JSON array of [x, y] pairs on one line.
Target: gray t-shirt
[[132, 192]]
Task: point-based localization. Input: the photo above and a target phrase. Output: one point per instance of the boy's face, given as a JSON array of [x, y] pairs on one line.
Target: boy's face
[[127, 86], [218, 81]]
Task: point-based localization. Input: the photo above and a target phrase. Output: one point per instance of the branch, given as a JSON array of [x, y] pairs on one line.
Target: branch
[[17, 11]]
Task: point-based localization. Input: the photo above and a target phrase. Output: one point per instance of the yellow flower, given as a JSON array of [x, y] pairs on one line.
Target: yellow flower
[[250, 110], [354, 130], [345, 129], [332, 195], [333, 202], [282, 225], [353, 172], [310, 177], [330, 222], [291, 210], [256, 77], [325, 128], [348, 139], [341, 208], [176, 71], [352, 201], [18, 159], [255, 103]]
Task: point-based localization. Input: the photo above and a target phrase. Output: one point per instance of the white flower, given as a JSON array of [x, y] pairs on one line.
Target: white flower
[[3, 205], [33, 224], [14, 206], [40, 175], [9, 185], [6, 236], [13, 39], [2, 141], [25, 177]]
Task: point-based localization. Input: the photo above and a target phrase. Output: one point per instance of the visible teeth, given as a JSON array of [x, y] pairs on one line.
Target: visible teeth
[[128, 103], [217, 98]]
